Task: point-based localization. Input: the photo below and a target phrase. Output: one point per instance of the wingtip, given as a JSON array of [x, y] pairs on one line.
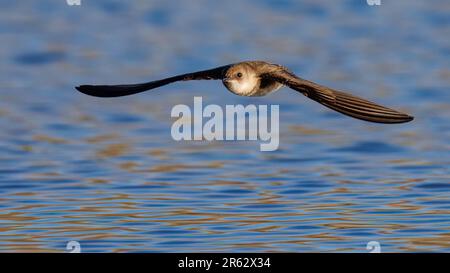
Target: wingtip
[[85, 89], [403, 118], [409, 118], [79, 88]]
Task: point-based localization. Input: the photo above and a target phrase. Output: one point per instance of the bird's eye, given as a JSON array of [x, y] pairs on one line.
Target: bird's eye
[[239, 75]]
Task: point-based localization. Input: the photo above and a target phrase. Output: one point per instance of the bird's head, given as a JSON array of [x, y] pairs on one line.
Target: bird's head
[[241, 79]]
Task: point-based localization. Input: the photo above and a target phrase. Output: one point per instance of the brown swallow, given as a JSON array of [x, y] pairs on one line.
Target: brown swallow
[[257, 78]]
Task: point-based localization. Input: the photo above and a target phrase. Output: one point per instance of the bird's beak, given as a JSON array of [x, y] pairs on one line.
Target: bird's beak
[[227, 82]]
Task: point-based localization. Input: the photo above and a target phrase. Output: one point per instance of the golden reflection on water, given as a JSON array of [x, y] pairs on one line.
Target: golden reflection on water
[[49, 139], [113, 150], [77, 221]]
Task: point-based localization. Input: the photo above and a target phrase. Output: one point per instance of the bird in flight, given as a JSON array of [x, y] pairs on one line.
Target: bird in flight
[[258, 78]]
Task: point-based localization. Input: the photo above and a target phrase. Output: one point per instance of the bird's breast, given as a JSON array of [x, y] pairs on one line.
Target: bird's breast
[[265, 87], [252, 88]]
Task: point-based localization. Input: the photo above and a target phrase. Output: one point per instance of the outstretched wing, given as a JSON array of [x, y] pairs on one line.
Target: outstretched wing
[[129, 89], [340, 101]]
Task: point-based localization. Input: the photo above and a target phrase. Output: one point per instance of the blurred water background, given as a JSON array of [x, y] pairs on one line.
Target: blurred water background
[[106, 172]]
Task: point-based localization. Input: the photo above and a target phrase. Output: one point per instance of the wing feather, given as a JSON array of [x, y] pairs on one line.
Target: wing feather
[[129, 89], [339, 101]]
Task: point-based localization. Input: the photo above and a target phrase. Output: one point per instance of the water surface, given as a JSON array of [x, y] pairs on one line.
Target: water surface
[[106, 172]]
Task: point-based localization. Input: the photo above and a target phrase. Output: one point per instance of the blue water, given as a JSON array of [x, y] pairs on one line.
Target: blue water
[[106, 172]]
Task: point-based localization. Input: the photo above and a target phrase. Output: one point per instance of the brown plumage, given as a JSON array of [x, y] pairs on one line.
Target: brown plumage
[[257, 78]]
